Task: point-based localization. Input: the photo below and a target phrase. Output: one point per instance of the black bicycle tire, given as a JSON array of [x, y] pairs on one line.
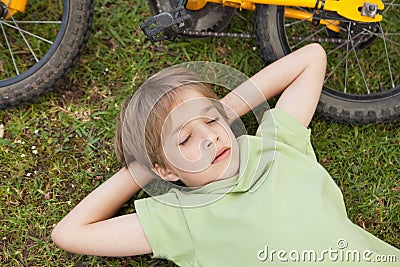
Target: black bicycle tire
[[58, 61], [333, 105]]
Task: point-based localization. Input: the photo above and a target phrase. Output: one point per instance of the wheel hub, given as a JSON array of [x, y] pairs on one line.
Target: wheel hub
[[361, 35], [364, 34]]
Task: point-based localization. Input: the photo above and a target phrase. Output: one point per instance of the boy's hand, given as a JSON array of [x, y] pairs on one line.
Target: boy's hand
[[90, 229], [140, 174], [298, 77]]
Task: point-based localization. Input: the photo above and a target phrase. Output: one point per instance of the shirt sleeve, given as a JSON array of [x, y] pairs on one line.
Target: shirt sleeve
[[166, 230], [287, 131]]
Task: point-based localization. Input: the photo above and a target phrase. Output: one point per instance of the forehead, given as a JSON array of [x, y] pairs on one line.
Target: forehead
[[190, 105], [192, 102]]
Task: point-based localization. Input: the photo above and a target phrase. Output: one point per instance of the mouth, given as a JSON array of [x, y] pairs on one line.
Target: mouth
[[221, 154]]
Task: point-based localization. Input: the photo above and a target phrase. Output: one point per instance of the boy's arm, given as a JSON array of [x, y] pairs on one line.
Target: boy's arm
[[299, 76], [89, 228]]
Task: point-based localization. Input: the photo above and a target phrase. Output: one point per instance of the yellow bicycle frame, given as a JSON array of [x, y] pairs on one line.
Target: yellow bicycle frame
[[349, 9], [14, 6]]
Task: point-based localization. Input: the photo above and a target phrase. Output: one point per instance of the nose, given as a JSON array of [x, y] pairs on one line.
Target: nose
[[209, 136]]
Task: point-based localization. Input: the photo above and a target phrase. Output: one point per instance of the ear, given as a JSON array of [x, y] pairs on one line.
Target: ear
[[166, 174]]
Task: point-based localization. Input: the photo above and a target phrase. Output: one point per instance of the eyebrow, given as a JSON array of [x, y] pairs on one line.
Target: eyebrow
[[203, 111]]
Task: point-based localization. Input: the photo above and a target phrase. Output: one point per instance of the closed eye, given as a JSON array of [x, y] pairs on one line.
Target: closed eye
[[212, 121], [189, 136], [185, 141]]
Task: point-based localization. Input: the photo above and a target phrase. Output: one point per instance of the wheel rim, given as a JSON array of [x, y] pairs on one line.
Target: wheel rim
[[31, 38], [365, 65]]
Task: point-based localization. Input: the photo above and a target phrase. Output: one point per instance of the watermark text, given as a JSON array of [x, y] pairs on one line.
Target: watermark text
[[340, 253]]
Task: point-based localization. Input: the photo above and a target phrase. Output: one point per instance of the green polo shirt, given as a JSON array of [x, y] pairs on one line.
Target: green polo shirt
[[282, 208]]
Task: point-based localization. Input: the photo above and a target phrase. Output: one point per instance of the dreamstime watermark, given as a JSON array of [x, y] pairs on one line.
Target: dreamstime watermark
[[340, 253]]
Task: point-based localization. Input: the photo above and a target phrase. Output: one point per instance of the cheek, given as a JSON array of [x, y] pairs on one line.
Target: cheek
[[182, 157], [224, 132], [190, 152], [189, 157]]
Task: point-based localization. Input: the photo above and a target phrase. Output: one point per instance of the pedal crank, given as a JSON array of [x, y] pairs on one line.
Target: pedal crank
[[166, 25]]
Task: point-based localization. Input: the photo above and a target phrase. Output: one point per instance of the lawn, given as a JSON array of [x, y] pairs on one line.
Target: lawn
[[58, 149]]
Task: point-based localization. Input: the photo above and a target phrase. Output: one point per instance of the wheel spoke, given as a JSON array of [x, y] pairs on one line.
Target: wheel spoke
[[297, 22], [341, 45], [307, 38], [392, 34], [26, 41], [387, 55], [38, 22], [347, 59], [9, 48], [359, 65], [357, 44], [384, 36], [388, 6], [29, 33], [28, 36], [347, 42], [363, 59]]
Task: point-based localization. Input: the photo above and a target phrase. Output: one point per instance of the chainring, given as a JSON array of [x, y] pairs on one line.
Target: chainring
[[212, 18]]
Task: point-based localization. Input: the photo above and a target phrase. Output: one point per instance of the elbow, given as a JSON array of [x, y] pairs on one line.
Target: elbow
[[58, 236], [62, 237]]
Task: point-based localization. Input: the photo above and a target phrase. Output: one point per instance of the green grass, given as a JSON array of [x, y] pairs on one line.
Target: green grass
[[57, 150]]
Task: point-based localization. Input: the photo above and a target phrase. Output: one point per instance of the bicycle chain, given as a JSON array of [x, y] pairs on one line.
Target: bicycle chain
[[251, 36], [219, 34]]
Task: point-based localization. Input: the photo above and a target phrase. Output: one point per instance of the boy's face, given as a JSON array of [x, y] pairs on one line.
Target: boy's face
[[198, 144]]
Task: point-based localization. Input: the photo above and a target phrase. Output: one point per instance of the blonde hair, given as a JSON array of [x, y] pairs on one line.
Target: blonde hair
[[138, 130]]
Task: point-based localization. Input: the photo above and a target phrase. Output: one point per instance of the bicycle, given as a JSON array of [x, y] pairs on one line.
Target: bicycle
[[42, 40], [354, 33], [361, 38]]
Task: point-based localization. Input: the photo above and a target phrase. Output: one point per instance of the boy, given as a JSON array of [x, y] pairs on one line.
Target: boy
[[247, 200]]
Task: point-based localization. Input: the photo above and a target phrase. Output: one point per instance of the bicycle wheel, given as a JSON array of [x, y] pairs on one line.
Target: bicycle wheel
[[362, 83], [40, 46]]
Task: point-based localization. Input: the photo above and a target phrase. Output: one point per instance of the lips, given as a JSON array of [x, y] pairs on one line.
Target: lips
[[221, 154]]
